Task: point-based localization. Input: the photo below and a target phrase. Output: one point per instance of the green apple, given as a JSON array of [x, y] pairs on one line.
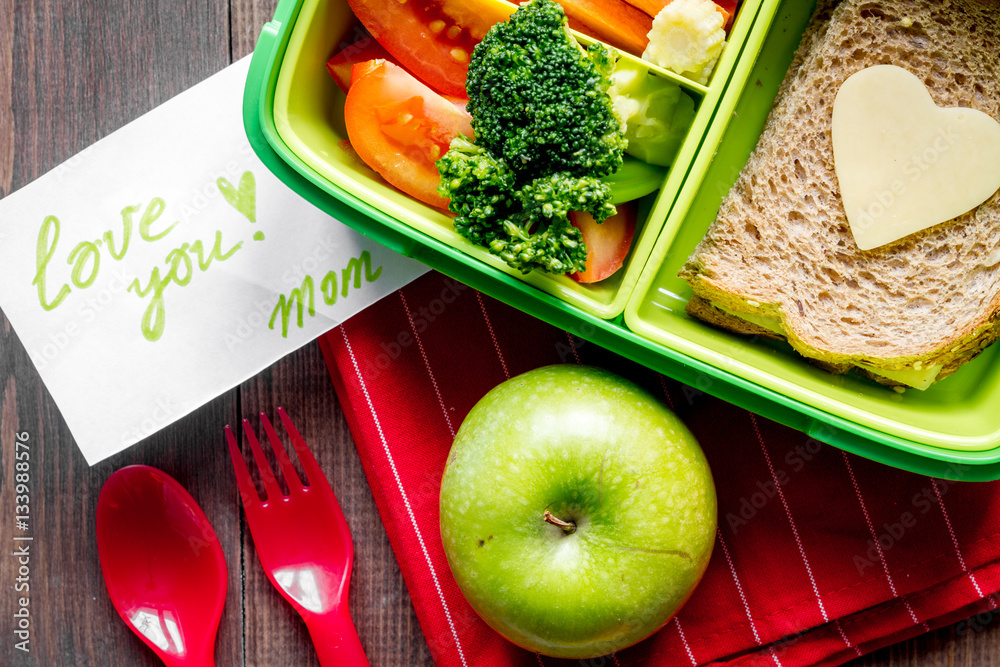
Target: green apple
[[577, 512]]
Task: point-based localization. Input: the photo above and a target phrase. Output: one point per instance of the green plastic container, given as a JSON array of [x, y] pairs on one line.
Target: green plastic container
[[293, 117], [309, 128]]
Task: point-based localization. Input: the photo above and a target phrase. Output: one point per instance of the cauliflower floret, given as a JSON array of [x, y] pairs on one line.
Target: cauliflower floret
[[687, 38]]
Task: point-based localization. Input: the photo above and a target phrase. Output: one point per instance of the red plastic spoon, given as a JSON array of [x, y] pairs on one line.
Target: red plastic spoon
[[162, 564]]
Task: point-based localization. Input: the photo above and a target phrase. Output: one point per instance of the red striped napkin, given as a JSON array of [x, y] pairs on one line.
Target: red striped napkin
[[820, 555]]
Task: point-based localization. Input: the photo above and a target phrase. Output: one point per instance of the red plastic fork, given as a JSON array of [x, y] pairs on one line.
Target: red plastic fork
[[302, 541]]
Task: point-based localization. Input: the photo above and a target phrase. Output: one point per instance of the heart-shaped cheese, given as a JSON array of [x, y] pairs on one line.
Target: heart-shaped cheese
[[905, 164]]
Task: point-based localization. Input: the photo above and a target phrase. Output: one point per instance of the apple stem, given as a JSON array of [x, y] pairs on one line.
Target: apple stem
[[568, 526]]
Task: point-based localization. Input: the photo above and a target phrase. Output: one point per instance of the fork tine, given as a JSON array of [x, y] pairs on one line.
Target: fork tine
[[314, 474], [266, 475], [247, 491], [284, 462]]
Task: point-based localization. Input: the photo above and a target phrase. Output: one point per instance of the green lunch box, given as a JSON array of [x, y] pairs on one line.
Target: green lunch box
[[293, 112]]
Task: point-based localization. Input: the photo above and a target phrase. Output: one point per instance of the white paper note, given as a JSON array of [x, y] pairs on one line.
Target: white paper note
[[165, 264]]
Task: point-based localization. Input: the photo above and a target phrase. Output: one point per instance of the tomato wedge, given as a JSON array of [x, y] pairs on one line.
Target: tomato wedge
[[400, 127], [608, 243], [367, 50], [359, 70], [362, 69], [364, 50], [433, 39]]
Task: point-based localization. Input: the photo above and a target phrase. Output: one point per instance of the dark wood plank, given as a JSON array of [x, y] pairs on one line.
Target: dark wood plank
[[82, 70], [247, 18], [70, 73], [6, 95]]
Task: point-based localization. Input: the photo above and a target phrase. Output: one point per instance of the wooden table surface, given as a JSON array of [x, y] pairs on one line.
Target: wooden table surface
[[71, 72]]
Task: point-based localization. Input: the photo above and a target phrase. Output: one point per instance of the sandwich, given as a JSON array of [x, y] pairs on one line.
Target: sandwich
[[781, 261]]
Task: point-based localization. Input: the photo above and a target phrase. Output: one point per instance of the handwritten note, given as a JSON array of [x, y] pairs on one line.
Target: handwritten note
[[165, 264]]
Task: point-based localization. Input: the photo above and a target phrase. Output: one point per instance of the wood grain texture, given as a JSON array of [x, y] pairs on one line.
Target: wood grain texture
[[247, 18], [71, 72], [6, 95]]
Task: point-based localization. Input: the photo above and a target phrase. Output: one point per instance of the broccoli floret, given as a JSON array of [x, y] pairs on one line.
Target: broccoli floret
[[526, 225], [539, 101], [546, 132], [481, 189]]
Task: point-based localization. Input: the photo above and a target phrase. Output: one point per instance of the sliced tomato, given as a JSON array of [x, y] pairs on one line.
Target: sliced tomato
[[433, 39], [364, 50], [613, 21], [400, 127], [363, 69], [367, 54], [608, 243]]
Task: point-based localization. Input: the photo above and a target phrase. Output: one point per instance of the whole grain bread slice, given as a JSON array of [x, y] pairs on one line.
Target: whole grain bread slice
[[781, 246]]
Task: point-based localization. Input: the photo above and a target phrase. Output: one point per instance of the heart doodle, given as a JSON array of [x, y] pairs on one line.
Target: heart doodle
[[243, 199]]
